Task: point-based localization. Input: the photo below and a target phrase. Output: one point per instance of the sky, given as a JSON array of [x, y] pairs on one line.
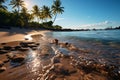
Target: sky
[[83, 14]]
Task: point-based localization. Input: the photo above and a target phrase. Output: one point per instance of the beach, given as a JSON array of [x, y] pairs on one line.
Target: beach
[[32, 55]]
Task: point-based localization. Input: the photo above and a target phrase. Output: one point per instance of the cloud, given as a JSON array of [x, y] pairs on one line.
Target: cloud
[[59, 19], [96, 25]]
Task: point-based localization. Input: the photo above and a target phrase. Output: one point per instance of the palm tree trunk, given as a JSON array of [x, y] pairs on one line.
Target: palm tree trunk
[[55, 18]]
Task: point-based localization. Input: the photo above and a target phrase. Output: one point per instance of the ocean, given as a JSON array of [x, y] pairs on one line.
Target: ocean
[[103, 45]]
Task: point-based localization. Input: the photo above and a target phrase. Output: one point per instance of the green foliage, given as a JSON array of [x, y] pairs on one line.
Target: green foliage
[[47, 25], [57, 27], [20, 16], [17, 4], [57, 8], [4, 20]]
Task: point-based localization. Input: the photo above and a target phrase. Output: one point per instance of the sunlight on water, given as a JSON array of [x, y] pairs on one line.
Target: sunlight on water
[[33, 62]]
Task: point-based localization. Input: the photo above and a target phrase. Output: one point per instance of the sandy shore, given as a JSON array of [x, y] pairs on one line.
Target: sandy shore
[[23, 58], [16, 34]]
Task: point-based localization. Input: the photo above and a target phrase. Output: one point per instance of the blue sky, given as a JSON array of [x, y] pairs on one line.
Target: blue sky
[[84, 13]]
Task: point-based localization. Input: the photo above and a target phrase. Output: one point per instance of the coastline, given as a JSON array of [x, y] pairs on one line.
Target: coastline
[[50, 60]]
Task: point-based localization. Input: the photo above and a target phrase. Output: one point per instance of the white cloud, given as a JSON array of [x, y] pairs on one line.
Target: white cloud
[[96, 25], [59, 19]]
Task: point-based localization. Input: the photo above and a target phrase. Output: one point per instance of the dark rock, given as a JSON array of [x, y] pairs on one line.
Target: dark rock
[[55, 60], [55, 41], [18, 58], [3, 43], [3, 51], [23, 44], [34, 48], [7, 48], [59, 69], [17, 47], [2, 69], [23, 49]]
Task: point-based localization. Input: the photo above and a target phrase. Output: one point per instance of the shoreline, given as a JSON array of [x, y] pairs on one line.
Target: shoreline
[[50, 60]]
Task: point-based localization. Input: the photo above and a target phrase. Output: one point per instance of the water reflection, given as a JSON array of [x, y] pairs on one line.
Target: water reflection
[[33, 62]]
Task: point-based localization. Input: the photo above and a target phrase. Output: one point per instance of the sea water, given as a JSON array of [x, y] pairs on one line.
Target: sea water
[[103, 45]]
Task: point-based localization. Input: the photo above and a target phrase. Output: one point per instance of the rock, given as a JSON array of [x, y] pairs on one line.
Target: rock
[[59, 69], [5, 61], [23, 49], [1, 63], [17, 47], [55, 60], [72, 47], [18, 58], [10, 55], [2, 69], [7, 48], [32, 45], [55, 41], [3, 43], [64, 45], [45, 50], [24, 44], [3, 51]]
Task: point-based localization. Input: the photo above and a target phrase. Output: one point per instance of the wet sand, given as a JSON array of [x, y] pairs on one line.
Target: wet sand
[[41, 58]]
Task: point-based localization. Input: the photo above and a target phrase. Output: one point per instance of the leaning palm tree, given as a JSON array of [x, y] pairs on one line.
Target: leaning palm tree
[[46, 12], [2, 6], [57, 8], [36, 12], [17, 4]]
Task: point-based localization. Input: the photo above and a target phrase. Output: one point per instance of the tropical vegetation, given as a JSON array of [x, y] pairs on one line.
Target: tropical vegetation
[[39, 17]]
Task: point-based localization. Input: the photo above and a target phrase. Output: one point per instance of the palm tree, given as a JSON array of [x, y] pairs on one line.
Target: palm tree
[[2, 6], [25, 16], [17, 4], [46, 13], [57, 8], [36, 12]]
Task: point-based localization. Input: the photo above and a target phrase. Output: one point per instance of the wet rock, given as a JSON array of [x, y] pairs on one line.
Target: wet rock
[[63, 45], [17, 47], [18, 58], [72, 47], [23, 44], [59, 69], [55, 41], [2, 69], [7, 48], [31, 45], [45, 50], [34, 48], [3, 51], [1, 63], [23, 49], [55, 60]]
